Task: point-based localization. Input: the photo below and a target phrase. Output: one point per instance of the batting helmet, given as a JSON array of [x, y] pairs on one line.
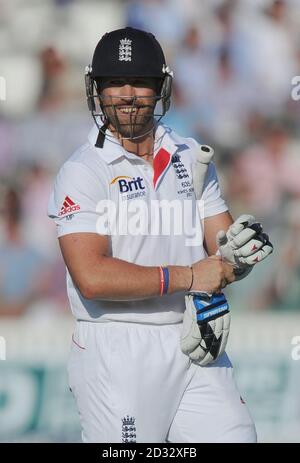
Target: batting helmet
[[128, 53]]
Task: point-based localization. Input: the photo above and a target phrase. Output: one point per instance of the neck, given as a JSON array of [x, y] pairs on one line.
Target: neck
[[142, 147]]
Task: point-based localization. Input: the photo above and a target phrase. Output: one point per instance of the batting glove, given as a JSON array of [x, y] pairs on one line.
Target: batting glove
[[244, 245], [206, 323]]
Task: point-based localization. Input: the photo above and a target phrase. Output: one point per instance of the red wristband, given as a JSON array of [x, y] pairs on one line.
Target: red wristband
[[162, 280]]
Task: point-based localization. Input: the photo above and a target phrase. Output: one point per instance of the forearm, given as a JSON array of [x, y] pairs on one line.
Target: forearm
[[115, 279], [211, 227]]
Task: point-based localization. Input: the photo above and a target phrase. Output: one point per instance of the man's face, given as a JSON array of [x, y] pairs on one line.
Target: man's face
[[129, 104]]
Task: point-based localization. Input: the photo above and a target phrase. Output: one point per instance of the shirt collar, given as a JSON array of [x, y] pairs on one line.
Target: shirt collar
[[112, 149], [164, 140]]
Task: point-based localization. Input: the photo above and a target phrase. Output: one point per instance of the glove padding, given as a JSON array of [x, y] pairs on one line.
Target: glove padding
[[206, 323], [244, 245]]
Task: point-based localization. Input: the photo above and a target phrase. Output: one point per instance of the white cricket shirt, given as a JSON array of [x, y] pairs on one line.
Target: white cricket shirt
[[150, 215]]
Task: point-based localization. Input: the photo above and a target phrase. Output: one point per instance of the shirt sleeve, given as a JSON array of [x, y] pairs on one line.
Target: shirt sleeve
[[213, 202], [74, 200]]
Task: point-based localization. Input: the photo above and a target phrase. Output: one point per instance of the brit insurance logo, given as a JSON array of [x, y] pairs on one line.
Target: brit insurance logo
[[129, 187]]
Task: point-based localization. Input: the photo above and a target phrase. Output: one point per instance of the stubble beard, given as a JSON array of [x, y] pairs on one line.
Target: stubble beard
[[130, 125]]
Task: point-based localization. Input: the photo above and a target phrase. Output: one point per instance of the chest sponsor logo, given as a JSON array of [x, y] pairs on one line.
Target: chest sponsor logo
[[132, 186]]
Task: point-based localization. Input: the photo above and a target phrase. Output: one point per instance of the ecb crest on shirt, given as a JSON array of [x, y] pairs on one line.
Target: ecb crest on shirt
[[186, 186], [179, 167]]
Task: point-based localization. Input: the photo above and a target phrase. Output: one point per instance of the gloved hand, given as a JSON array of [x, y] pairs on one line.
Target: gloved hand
[[244, 245], [206, 323]]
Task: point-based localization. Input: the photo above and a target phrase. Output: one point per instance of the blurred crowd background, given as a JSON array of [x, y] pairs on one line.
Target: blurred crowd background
[[233, 63]]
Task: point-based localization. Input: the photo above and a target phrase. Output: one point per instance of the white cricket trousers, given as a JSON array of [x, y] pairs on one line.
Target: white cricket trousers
[[132, 383]]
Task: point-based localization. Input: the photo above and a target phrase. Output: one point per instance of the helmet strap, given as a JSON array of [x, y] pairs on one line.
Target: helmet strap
[[101, 135]]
